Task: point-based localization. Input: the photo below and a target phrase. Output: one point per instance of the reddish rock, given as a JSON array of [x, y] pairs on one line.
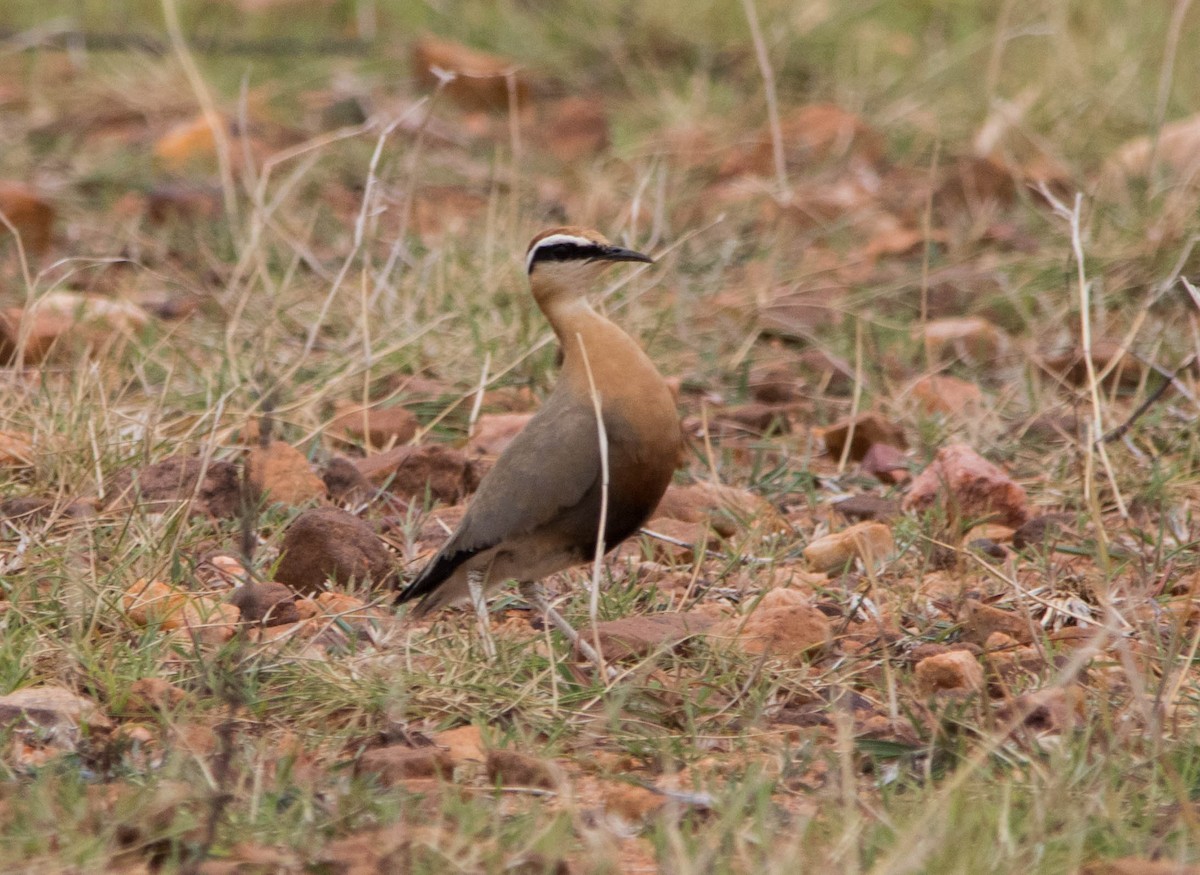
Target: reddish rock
[[831, 374], [696, 537], [481, 80], [29, 212], [982, 621], [344, 482], [642, 635], [774, 384], [725, 508], [159, 487], [574, 128], [1109, 359], [512, 769], [943, 394], [967, 486], [956, 670], [443, 473], [282, 474], [397, 763], [50, 708], [495, 431], [756, 419], [862, 432], [267, 602], [32, 509], [327, 543], [381, 426], [869, 541], [867, 507], [968, 338], [1039, 530], [784, 624], [886, 463], [1054, 709], [631, 804], [152, 694], [16, 451]]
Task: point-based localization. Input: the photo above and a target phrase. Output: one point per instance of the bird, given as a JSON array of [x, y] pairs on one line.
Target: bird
[[537, 511]]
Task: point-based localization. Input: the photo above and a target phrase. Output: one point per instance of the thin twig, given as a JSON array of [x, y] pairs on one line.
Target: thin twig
[[598, 558], [768, 75]]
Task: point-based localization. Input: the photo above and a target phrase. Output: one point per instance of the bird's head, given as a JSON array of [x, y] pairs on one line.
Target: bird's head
[[566, 260]]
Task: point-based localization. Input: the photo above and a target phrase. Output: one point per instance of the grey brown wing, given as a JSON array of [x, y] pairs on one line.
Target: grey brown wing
[[531, 483], [549, 466]]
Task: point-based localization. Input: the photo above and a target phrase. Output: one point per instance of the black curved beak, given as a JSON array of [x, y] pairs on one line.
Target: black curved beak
[[616, 253]]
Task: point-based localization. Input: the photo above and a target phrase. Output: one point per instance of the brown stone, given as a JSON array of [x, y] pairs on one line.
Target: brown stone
[[51, 708], [395, 763], [327, 543], [871, 542], [968, 487], [510, 768], [381, 426], [886, 463], [30, 508], [160, 486], [267, 602], [481, 80], [495, 431], [1054, 709], [642, 635], [1039, 530], [574, 128], [832, 374], [463, 743], [695, 535], [1109, 360], [281, 473], [968, 338], [955, 670], [867, 507], [939, 393], [344, 482], [151, 694], [775, 384], [16, 451], [725, 508], [29, 212], [784, 624], [755, 419], [443, 473], [631, 803], [862, 432], [72, 321], [983, 620]]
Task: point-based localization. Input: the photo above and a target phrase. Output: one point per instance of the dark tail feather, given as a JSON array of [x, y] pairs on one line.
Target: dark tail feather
[[433, 575]]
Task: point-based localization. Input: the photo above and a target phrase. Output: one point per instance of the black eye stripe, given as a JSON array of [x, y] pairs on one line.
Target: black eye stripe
[[566, 252]]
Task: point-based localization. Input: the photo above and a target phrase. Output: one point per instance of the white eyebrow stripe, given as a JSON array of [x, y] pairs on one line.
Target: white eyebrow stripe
[[553, 240]]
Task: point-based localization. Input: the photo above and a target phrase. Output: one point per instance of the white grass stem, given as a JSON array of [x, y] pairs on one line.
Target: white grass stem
[[602, 524], [768, 76]]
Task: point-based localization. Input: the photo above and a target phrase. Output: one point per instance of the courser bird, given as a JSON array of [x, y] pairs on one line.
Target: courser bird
[[537, 511]]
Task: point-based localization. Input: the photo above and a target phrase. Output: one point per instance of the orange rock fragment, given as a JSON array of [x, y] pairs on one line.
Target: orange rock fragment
[[869, 541], [381, 426], [783, 624], [283, 474], [29, 213], [968, 487], [480, 80], [952, 671]]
